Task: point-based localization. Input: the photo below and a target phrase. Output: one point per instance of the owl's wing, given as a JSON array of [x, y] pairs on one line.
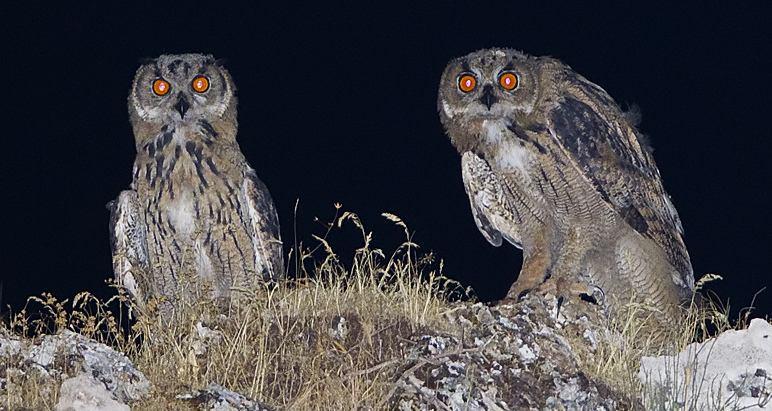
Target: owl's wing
[[490, 209], [128, 239], [610, 155], [264, 227]]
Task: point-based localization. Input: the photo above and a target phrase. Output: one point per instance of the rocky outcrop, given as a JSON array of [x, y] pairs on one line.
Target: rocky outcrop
[[93, 374], [524, 355], [508, 357], [731, 371]]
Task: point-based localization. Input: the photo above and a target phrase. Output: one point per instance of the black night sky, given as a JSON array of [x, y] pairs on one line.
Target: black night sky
[[338, 104]]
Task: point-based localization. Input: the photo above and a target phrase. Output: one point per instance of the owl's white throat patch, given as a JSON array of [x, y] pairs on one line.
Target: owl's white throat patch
[[494, 130], [509, 154]]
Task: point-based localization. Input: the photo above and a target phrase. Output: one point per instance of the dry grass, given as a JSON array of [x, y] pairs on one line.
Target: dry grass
[[334, 338], [331, 339]]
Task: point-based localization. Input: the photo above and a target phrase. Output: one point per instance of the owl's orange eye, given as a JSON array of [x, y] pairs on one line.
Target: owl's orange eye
[[467, 83], [161, 87], [200, 84], [508, 80]]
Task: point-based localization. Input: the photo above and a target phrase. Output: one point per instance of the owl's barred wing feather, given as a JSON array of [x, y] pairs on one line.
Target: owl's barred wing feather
[[470, 171], [264, 227], [623, 172], [128, 239], [492, 213]]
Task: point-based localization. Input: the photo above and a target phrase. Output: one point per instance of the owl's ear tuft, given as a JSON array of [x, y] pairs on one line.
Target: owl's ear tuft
[[645, 141], [220, 62], [633, 114], [147, 60]]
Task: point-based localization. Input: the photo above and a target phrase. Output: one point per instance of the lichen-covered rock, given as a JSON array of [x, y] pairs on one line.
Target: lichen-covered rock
[[731, 371], [508, 357], [55, 358], [217, 398]]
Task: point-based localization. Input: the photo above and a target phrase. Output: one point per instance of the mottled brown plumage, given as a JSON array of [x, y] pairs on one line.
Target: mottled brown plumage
[[197, 221], [555, 167]]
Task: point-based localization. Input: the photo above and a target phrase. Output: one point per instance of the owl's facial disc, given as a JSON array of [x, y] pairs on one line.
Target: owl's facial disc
[[492, 84], [182, 88], [478, 97]]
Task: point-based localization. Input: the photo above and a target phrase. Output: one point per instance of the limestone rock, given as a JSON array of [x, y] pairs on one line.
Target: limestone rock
[[83, 393], [731, 371], [56, 358]]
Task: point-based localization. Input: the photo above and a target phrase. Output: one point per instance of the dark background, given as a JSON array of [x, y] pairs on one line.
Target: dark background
[[337, 104]]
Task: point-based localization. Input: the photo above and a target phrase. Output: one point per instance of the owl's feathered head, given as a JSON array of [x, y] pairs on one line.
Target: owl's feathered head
[[178, 89], [488, 84]]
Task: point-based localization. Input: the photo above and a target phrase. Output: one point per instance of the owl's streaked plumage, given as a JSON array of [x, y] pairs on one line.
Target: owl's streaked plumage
[[553, 165], [197, 221]]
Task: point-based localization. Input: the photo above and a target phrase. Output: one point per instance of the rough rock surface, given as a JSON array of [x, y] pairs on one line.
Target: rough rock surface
[[732, 371], [508, 357], [216, 398], [519, 356], [83, 393], [68, 354]]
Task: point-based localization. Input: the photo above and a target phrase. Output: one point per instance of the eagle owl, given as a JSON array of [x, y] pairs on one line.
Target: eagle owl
[[197, 221], [553, 165]]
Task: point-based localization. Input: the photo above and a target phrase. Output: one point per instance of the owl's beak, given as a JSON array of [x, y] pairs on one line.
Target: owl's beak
[[487, 97], [182, 106]]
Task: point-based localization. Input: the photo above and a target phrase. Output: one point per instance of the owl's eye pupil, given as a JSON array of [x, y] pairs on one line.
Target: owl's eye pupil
[[467, 82], [200, 84], [161, 87]]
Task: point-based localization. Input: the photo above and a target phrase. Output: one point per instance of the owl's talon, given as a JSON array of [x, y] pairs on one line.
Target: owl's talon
[[520, 289], [593, 294]]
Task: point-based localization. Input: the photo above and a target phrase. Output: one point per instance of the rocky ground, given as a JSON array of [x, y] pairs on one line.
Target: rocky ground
[[527, 355], [519, 356]]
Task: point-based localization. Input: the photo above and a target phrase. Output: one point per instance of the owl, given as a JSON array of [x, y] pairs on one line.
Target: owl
[[197, 222], [551, 164]]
